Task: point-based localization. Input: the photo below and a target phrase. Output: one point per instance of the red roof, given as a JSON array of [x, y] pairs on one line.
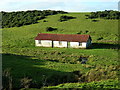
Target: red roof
[[63, 37]]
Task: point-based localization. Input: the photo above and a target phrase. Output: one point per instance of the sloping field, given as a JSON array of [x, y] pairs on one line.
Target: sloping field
[[52, 66]]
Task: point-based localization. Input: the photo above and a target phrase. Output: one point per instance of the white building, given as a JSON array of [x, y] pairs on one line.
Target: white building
[[63, 40]]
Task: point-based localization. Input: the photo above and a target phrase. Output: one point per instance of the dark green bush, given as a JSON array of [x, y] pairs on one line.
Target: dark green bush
[[20, 18], [50, 29], [65, 18], [107, 14]]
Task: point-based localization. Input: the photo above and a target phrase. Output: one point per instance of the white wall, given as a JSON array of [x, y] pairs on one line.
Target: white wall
[[48, 43], [63, 44], [76, 45], [36, 43], [44, 43]]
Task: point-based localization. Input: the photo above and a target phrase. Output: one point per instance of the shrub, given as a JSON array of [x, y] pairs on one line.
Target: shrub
[[58, 78], [100, 38], [100, 73], [26, 82], [107, 14], [65, 18], [95, 20], [50, 29], [79, 32], [45, 21]]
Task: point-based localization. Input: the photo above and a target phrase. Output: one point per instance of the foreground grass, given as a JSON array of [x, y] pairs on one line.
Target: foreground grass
[[104, 85], [108, 84], [57, 62], [24, 66]]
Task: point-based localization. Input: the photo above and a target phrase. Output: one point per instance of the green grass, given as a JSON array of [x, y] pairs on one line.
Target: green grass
[[24, 66], [109, 84], [24, 59], [24, 36]]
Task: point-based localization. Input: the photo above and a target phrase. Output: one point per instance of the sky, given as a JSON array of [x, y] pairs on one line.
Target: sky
[[65, 5]]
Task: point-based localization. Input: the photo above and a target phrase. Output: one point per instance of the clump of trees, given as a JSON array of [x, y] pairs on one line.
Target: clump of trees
[[20, 18], [107, 14], [50, 29], [65, 18]]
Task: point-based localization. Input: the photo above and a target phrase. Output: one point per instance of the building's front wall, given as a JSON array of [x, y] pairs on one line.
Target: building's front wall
[[76, 45], [59, 43], [44, 43], [48, 43]]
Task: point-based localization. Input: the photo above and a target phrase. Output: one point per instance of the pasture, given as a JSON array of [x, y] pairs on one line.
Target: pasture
[[44, 65]]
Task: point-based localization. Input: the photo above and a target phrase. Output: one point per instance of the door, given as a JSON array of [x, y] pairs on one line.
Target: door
[[52, 44], [68, 44]]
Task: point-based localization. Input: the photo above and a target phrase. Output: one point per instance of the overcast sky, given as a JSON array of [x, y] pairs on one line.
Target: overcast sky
[[65, 5]]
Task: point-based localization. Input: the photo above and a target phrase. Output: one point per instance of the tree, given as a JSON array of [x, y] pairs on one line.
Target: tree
[[107, 14], [50, 29], [20, 18]]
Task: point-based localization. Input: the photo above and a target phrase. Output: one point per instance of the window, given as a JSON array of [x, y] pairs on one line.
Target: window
[[80, 44], [60, 42], [39, 41]]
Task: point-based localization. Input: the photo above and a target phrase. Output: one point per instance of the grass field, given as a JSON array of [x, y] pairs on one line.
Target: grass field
[[87, 86], [26, 60]]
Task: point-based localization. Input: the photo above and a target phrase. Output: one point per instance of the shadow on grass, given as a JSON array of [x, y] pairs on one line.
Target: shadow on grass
[[41, 75], [104, 46]]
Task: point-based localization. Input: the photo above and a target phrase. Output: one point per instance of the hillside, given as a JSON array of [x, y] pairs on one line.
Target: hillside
[[44, 65]]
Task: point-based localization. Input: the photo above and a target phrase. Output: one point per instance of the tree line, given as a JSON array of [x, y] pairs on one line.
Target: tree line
[[107, 14], [20, 18]]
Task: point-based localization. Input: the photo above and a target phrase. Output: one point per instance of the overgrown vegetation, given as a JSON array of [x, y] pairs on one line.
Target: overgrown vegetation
[[36, 73], [100, 73], [26, 82], [7, 80], [21, 18], [107, 14]]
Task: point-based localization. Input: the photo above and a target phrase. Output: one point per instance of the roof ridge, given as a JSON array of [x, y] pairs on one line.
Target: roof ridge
[[63, 37], [62, 34]]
